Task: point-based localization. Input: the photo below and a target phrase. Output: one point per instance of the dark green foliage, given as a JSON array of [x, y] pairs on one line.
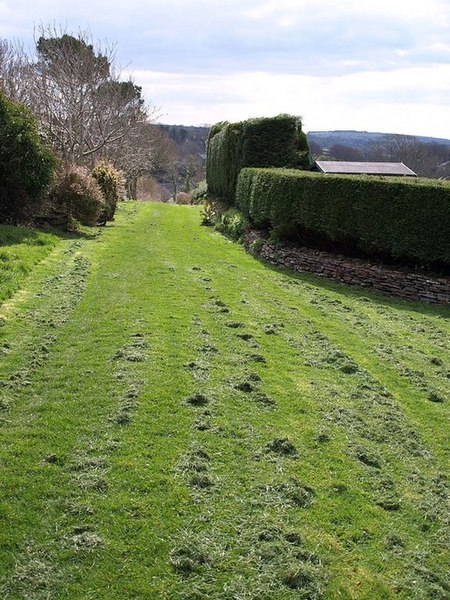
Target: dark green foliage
[[223, 160], [77, 194], [406, 219], [111, 182], [265, 142], [275, 142], [54, 51], [26, 165]]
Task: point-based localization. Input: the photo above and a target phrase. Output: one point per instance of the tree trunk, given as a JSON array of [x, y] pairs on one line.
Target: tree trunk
[[131, 186], [175, 188]]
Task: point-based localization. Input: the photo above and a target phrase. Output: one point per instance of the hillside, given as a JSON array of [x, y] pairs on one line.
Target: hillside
[[188, 139], [195, 138], [179, 420], [363, 140], [429, 157]]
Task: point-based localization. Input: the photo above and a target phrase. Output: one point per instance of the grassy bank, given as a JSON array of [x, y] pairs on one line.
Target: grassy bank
[[180, 421]]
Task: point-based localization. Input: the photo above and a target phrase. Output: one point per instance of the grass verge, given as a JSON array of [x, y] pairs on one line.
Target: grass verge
[[20, 250]]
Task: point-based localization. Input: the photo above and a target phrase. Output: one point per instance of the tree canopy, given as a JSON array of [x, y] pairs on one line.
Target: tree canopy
[[86, 111]]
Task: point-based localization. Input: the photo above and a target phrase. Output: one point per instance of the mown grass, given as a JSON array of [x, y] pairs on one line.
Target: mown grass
[[180, 421], [20, 250]]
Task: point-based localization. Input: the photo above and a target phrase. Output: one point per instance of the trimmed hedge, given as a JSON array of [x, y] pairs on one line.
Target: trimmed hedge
[[407, 219], [273, 142], [265, 142], [222, 162]]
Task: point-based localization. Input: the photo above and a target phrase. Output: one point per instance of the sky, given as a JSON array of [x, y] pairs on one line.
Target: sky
[[365, 65]]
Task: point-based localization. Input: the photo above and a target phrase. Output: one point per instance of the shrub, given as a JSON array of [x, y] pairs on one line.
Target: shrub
[[229, 221], [211, 212], [407, 219], [232, 223], [77, 194], [26, 165], [200, 194], [112, 185], [265, 142]]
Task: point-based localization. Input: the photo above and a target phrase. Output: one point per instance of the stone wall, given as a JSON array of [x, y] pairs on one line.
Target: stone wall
[[394, 281]]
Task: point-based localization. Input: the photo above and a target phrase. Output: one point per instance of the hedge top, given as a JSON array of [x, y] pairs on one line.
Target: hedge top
[[263, 142]]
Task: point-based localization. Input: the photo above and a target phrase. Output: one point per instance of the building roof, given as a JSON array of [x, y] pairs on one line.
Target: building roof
[[363, 168]]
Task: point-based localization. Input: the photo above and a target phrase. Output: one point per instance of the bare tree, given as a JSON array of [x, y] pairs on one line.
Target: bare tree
[[409, 150], [315, 149], [183, 174], [188, 165], [145, 151], [15, 71], [344, 152], [86, 112], [79, 98]]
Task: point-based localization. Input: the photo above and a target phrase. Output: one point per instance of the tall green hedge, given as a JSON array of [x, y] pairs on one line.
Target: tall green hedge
[[265, 142], [406, 219], [222, 166]]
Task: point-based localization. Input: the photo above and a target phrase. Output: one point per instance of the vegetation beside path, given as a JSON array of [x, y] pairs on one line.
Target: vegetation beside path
[[20, 250], [178, 420]]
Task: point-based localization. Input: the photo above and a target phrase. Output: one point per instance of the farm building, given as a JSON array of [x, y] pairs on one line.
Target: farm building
[[344, 167]]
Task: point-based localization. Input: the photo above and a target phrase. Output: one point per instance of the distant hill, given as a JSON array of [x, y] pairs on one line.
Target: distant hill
[[189, 140], [362, 139], [430, 157], [427, 156], [195, 138]]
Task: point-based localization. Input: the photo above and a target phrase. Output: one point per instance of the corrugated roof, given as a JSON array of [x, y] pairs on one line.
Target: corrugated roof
[[363, 168]]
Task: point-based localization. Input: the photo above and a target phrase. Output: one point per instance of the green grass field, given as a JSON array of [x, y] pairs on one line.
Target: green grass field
[[180, 421]]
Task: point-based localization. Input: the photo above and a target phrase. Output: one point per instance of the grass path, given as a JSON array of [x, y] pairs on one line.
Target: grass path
[[178, 420]]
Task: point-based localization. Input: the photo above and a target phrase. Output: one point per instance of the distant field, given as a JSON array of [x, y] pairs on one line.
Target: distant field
[[180, 421]]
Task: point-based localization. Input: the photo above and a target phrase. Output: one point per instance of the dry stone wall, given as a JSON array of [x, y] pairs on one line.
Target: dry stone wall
[[396, 282]]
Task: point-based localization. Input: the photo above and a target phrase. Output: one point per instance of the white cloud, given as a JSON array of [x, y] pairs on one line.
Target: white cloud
[[378, 101], [341, 63]]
